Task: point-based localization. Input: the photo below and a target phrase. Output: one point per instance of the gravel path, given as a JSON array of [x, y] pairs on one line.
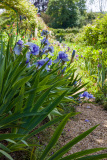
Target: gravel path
[[90, 116]]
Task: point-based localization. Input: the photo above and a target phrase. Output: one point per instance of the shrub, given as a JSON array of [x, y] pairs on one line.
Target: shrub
[[96, 33], [91, 35]]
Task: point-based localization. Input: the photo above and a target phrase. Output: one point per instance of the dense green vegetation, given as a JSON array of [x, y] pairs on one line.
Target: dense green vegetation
[[91, 45], [66, 13]]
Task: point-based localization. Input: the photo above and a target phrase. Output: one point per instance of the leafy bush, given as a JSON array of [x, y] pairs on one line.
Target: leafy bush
[[65, 34], [68, 30], [96, 33], [91, 35]]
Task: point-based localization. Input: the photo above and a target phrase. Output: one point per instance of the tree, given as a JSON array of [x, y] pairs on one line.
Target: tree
[[64, 13], [82, 6]]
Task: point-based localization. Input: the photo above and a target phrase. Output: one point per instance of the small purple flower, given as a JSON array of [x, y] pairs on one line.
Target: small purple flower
[[100, 52], [62, 56], [44, 32], [68, 49], [81, 56], [20, 42], [86, 120], [88, 107], [99, 65], [77, 55]]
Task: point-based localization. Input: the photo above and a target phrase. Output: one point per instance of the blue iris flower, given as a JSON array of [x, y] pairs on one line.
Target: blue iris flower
[[20, 42], [87, 95], [51, 50], [18, 47], [75, 82], [86, 120], [62, 56], [28, 56], [50, 61], [45, 41], [29, 65], [71, 97], [48, 64], [91, 96], [44, 32], [33, 48], [48, 49], [41, 62]]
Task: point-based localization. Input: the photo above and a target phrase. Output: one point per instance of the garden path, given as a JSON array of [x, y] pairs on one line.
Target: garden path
[[90, 116]]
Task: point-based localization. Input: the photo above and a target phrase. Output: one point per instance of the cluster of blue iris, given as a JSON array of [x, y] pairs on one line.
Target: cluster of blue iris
[[46, 48], [86, 95], [83, 95]]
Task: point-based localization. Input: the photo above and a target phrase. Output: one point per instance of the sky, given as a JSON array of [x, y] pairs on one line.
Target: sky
[[95, 5]]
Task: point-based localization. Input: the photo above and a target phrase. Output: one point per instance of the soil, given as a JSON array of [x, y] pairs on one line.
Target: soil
[[90, 116]]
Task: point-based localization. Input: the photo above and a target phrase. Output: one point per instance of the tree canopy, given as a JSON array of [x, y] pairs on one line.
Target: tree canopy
[[65, 13]]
